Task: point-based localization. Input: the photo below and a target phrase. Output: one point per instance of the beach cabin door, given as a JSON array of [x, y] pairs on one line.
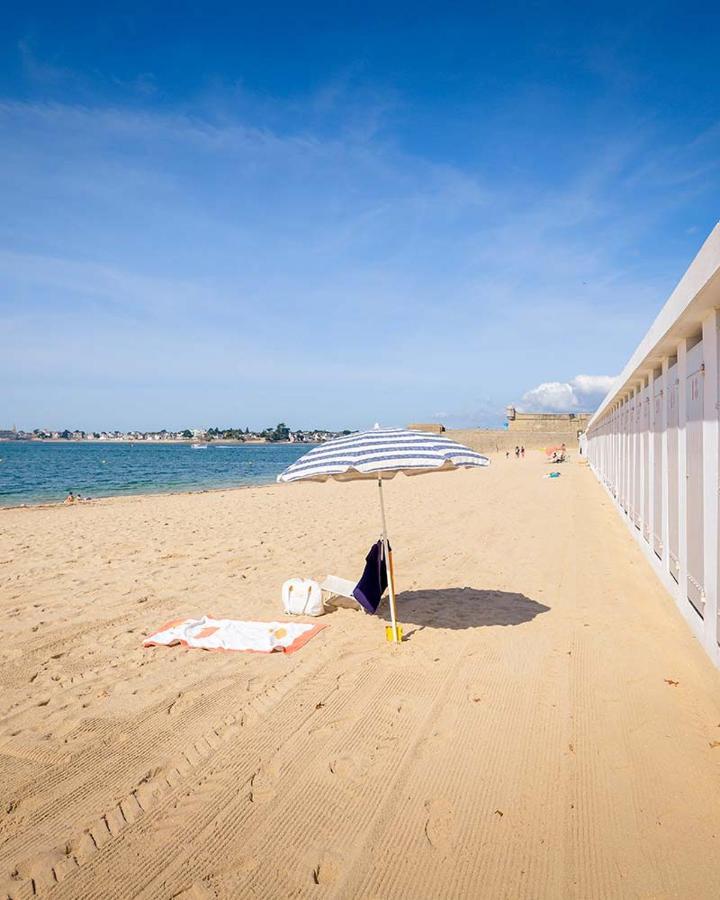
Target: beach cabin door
[[627, 458], [694, 479], [613, 452], [637, 461], [630, 457], [645, 426], [657, 432], [671, 392], [622, 455]]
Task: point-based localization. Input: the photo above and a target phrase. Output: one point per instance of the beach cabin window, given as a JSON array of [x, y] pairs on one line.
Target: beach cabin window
[[671, 396], [694, 478]]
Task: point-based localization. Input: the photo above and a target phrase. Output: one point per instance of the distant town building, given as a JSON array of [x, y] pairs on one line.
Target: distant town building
[[279, 434], [9, 435]]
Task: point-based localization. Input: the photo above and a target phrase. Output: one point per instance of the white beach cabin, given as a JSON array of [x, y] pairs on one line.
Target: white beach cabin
[[654, 444]]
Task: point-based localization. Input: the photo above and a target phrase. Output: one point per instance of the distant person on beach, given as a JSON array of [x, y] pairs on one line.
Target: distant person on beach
[[517, 452], [507, 454], [70, 498], [522, 452]]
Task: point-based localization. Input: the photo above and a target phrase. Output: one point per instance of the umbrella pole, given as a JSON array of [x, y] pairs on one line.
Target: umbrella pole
[[388, 565]]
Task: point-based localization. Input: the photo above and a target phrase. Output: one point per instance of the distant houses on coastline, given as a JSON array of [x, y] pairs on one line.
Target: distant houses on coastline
[[280, 433]]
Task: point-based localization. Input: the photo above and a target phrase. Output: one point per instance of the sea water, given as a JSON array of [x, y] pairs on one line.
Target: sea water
[[41, 472]]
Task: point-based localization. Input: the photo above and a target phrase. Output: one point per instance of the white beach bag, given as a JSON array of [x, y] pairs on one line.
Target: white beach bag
[[302, 597]]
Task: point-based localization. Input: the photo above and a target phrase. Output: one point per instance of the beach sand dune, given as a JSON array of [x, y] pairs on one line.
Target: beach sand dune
[[549, 728]]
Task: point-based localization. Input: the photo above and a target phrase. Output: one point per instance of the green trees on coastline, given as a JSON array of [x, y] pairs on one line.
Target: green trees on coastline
[[227, 434], [279, 433]]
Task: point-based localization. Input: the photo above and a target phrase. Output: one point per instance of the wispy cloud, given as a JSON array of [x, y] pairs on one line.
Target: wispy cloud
[[41, 71]]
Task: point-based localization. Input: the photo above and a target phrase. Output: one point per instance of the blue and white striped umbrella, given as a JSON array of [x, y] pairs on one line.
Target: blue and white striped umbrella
[[382, 453]]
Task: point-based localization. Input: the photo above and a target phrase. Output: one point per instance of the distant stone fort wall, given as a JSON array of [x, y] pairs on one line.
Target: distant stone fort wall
[[499, 440], [430, 427], [550, 423], [533, 431]]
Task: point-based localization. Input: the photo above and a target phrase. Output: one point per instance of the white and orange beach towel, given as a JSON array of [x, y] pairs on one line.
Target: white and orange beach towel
[[234, 634]]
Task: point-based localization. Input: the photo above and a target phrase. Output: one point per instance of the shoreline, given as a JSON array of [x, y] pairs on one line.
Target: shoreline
[[45, 504], [150, 489]]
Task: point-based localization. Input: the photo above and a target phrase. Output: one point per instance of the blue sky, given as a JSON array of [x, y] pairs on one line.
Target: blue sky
[[334, 215]]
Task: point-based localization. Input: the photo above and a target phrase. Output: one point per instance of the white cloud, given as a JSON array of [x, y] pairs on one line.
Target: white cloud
[[581, 393]]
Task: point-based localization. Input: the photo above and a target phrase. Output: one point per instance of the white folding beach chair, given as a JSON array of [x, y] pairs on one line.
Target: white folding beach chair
[[339, 592]]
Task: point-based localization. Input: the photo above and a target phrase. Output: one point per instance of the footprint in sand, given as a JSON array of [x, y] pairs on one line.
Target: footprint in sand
[[197, 891], [326, 872], [439, 823], [83, 848], [43, 870], [347, 768], [263, 783], [151, 788], [328, 727], [183, 701], [229, 882]]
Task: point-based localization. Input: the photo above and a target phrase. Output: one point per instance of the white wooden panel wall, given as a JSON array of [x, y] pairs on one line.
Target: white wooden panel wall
[[657, 450]]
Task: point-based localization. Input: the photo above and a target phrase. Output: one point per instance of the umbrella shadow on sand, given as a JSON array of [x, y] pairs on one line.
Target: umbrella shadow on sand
[[462, 608]]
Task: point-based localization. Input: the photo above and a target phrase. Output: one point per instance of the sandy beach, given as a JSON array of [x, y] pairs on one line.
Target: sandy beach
[[549, 728]]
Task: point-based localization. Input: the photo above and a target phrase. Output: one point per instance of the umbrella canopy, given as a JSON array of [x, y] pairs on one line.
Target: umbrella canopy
[[379, 454], [382, 453], [550, 450]]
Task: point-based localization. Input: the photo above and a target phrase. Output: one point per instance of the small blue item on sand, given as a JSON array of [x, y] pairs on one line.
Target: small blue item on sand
[[552, 475]]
